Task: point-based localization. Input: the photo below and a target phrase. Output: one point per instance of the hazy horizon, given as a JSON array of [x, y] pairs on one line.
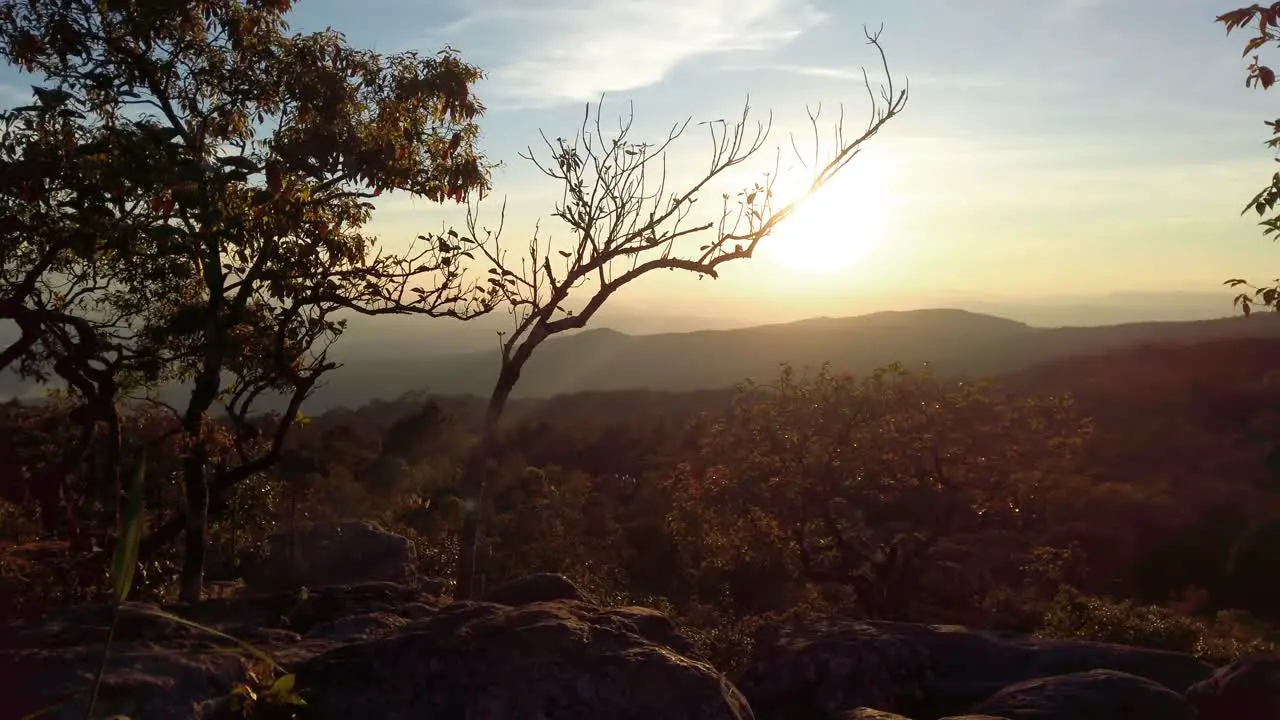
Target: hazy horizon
[[392, 335], [371, 342], [1115, 158]]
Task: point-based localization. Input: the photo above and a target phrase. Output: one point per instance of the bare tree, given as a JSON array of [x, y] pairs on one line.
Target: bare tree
[[625, 222]]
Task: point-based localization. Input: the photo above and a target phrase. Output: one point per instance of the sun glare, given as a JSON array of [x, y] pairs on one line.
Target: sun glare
[[836, 226]]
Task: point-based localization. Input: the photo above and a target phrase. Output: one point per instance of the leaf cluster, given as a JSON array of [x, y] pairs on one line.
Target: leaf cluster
[[1264, 20]]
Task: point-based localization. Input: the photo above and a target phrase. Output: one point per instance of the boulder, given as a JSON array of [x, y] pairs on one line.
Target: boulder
[[301, 611], [1245, 690], [484, 661], [652, 625], [967, 666], [332, 553], [826, 666], [928, 670], [166, 670], [375, 650], [1097, 695], [543, 587], [157, 669], [357, 628]]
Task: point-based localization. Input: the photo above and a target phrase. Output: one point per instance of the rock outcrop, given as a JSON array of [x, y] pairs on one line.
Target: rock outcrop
[[827, 666], [1244, 690], [377, 651], [543, 587], [1096, 695], [484, 661], [540, 648]]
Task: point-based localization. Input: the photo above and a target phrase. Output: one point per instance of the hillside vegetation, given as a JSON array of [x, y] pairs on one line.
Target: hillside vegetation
[[1034, 501]]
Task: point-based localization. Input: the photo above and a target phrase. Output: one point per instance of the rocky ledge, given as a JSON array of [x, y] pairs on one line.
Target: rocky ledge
[[539, 648]]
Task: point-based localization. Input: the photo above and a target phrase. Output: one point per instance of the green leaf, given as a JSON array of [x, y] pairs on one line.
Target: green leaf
[[125, 560], [284, 685]]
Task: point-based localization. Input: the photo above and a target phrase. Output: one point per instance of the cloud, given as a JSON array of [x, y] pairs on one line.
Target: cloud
[[570, 51], [970, 81]]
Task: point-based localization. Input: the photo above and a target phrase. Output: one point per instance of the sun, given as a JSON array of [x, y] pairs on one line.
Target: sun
[[836, 226]]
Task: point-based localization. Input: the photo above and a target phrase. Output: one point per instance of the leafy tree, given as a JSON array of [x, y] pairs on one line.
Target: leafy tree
[[33, 443], [221, 170], [550, 520], [418, 435], [626, 222], [49, 236], [865, 481], [1266, 19]]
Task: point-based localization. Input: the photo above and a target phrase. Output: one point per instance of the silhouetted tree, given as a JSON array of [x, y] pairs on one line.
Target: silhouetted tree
[[416, 436], [625, 223], [228, 166]]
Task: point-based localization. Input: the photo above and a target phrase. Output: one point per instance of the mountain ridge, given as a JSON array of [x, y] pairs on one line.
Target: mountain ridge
[[954, 341]]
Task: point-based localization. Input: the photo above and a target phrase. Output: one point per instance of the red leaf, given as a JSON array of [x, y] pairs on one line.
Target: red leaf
[[1236, 18], [1266, 76]]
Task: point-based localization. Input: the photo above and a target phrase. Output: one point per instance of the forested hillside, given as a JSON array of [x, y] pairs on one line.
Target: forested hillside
[[953, 342], [1143, 475]]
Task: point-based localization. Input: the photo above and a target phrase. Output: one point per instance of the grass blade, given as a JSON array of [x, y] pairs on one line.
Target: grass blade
[[123, 563], [161, 614], [125, 560]]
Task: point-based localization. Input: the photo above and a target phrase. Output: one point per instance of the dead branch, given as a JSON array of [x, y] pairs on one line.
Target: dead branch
[[624, 221]]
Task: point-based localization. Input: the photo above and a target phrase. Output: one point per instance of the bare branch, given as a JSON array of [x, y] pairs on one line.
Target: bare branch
[[624, 222]]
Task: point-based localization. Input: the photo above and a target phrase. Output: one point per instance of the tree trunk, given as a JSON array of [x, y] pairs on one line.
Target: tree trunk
[[48, 495], [474, 480], [191, 584], [196, 480], [112, 478]]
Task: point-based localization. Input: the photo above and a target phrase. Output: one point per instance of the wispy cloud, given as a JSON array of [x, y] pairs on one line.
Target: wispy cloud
[[857, 73], [573, 50]]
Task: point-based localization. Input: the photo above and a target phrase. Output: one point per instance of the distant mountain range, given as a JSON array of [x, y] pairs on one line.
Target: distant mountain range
[[952, 341]]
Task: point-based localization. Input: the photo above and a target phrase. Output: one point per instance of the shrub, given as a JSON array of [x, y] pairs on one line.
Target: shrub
[[1226, 637]]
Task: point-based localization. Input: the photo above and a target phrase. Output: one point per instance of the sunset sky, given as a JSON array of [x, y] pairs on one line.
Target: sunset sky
[[1057, 146], [1054, 146]]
